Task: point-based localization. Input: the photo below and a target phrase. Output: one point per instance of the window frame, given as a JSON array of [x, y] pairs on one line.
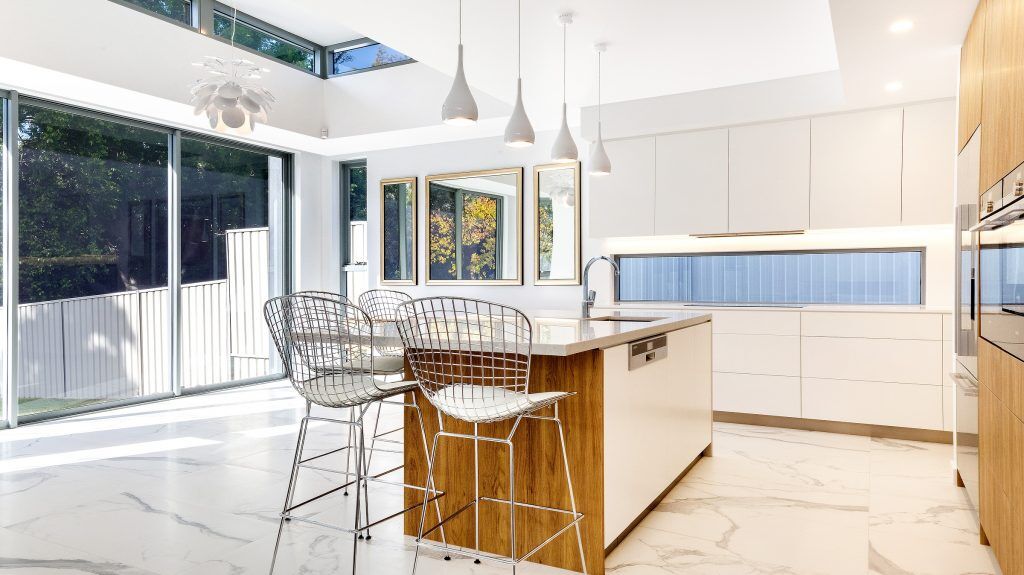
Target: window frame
[[352, 45], [215, 7], [923, 250], [202, 22], [9, 417]]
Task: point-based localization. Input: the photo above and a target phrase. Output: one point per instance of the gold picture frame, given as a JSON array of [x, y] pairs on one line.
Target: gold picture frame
[[412, 233], [517, 265], [576, 168]]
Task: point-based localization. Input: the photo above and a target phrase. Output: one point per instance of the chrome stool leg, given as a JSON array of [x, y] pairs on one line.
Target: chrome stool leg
[[290, 494], [572, 493]]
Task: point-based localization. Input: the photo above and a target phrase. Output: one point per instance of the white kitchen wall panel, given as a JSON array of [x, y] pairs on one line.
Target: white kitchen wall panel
[[623, 202], [768, 176], [692, 183], [929, 149], [856, 169]]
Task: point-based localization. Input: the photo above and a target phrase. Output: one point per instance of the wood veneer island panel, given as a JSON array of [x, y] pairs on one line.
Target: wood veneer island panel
[[600, 380]]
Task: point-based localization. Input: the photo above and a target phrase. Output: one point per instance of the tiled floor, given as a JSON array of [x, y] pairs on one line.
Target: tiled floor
[[193, 486]]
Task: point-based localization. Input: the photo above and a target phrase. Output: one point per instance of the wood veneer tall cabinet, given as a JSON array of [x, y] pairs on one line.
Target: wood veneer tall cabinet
[[1002, 98], [992, 98], [972, 62]]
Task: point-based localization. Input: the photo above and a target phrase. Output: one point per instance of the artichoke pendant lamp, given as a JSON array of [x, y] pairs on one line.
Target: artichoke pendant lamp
[[600, 165], [519, 132], [459, 108], [564, 149], [230, 96]]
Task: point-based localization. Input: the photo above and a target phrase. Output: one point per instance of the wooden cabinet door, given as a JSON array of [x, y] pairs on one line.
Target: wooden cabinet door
[[692, 188], [972, 61], [1002, 99], [769, 177], [856, 164], [622, 203]]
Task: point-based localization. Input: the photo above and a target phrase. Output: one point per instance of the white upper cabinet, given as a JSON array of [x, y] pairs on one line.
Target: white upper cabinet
[[692, 183], [768, 177], [855, 169], [929, 144], [622, 203]]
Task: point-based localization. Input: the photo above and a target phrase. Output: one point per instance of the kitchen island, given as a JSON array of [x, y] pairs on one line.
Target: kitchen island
[[640, 419]]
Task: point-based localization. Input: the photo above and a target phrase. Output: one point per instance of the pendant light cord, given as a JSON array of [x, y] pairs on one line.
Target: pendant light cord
[[460, 22], [564, 25], [599, 88], [519, 39]]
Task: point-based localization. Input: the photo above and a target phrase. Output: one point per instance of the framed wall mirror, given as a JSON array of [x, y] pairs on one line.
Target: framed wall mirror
[[474, 227], [556, 224], [398, 231]]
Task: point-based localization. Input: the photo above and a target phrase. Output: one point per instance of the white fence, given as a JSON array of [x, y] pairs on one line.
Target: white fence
[[115, 346]]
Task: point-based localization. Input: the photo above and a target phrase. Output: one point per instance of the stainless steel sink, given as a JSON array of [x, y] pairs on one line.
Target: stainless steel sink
[[639, 319]]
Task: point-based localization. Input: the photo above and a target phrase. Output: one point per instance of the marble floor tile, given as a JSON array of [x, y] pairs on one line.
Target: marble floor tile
[[206, 501], [23, 555]]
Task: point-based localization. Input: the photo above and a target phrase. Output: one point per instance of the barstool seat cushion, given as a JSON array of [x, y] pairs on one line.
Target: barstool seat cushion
[[396, 387], [482, 403]]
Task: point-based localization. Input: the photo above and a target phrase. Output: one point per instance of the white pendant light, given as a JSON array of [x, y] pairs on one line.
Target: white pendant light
[[459, 108], [519, 132], [600, 165], [230, 96], [564, 149]]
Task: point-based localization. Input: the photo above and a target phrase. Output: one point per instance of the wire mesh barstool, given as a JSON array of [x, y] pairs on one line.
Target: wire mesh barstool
[[326, 346], [471, 359], [382, 306]]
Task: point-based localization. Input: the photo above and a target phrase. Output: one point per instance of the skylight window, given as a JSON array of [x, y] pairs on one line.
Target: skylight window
[[178, 10], [364, 55], [265, 42]]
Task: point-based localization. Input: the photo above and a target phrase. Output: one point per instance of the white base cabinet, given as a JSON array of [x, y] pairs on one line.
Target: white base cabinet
[[879, 368]]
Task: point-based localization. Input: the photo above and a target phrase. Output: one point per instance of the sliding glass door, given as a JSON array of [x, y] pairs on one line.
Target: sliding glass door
[[92, 267], [131, 237], [230, 259]]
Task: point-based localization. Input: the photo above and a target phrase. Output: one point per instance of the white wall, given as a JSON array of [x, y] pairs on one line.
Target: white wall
[[396, 98], [105, 42], [467, 155]]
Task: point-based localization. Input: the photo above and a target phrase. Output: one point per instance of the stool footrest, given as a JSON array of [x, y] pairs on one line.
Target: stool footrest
[[576, 518]]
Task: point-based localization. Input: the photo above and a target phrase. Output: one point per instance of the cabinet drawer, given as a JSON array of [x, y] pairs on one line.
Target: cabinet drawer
[[761, 394], [760, 354], [872, 325], [756, 322], [893, 360], [872, 402]]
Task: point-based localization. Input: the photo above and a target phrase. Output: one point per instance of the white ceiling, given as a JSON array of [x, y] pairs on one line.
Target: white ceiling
[[656, 47]]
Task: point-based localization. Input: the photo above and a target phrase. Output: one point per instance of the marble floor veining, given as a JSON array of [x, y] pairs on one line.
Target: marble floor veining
[[193, 486]]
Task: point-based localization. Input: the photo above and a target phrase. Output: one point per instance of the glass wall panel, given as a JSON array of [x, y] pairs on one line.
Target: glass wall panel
[[93, 260], [231, 260], [833, 277]]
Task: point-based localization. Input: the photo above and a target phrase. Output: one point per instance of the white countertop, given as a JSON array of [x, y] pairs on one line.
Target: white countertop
[[625, 307], [564, 333]]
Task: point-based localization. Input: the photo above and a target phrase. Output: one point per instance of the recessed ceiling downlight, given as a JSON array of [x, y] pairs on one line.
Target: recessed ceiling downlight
[[894, 86], [901, 26]]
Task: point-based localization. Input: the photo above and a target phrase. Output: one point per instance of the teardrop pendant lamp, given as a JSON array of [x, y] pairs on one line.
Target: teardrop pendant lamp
[[459, 108], [600, 165], [519, 131], [564, 149]]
